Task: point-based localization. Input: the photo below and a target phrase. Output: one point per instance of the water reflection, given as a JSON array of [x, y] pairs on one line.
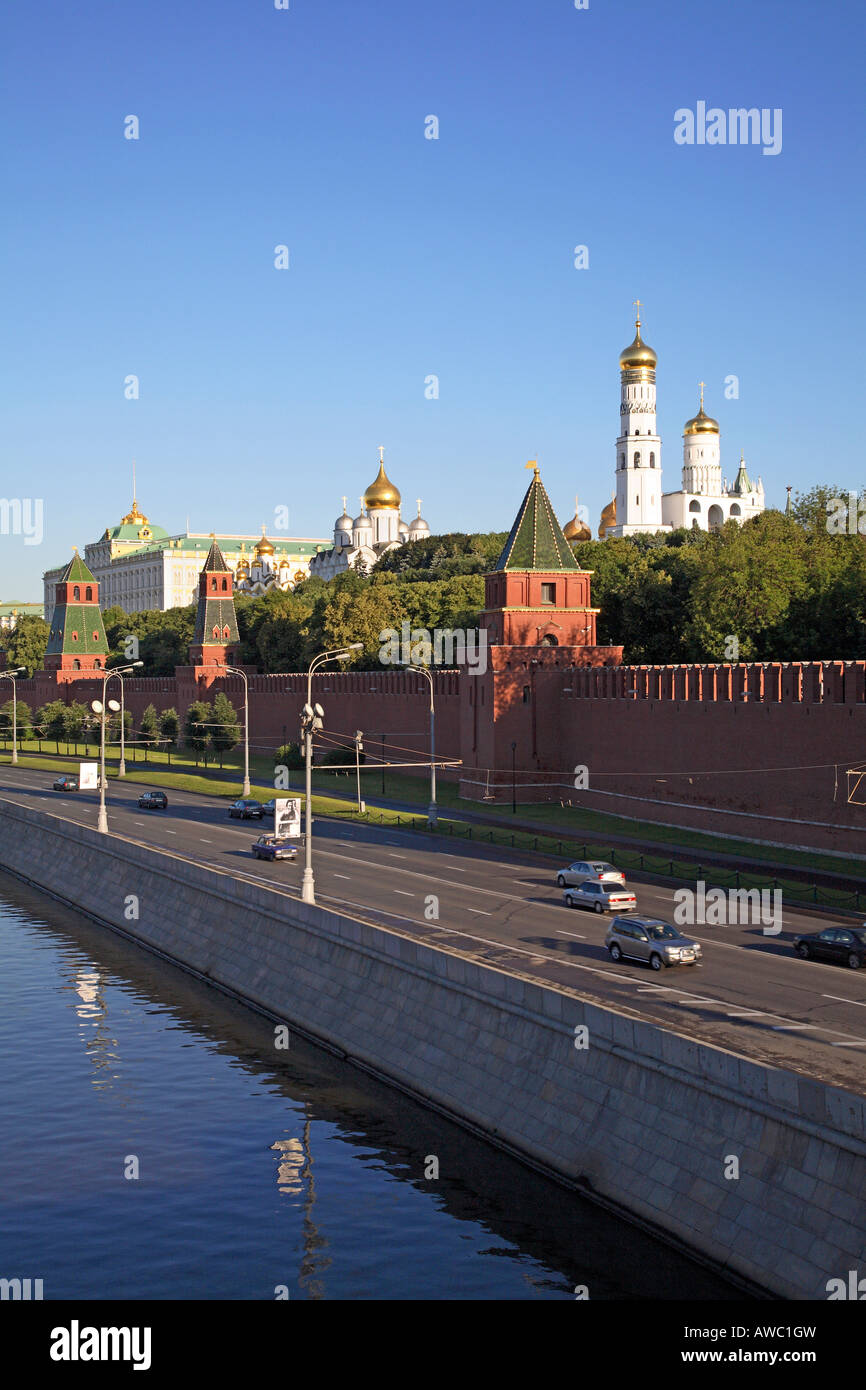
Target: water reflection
[[265, 1167]]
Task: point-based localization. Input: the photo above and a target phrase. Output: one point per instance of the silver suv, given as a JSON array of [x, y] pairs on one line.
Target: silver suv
[[650, 939]]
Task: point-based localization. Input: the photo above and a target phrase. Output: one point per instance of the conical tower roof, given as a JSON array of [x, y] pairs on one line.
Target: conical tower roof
[[536, 540], [215, 560], [76, 572], [742, 482]]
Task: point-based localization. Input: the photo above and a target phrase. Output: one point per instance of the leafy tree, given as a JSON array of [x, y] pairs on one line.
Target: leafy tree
[[169, 726], [289, 755], [148, 728], [199, 718], [24, 720], [51, 722], [25, 644], [225, 729], [75, 719]]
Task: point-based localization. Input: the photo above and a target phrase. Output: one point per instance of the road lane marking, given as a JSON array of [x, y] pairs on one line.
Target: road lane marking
[[345, 876], [789, 1027], [204, 841], [402, 892], [843, 1000], [396, 856], [479, 912], [848, 1044], [578, 934]]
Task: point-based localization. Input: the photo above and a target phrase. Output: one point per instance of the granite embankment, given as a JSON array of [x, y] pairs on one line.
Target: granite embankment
[[761, 1171]]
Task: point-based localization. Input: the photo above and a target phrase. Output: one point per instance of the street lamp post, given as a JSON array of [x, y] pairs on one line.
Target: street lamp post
[[359, 744], [513, 779], [236, 671], [311, 719], [431, 810], [99, 707], [13, 677]]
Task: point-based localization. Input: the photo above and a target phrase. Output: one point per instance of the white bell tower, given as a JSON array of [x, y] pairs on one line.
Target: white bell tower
[[638, 448]]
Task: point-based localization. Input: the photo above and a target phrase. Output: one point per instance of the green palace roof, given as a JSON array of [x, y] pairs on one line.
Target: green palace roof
[[125, 532], [536, 540]]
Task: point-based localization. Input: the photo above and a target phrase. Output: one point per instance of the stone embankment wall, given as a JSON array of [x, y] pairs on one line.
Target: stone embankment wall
[[648, 1119]]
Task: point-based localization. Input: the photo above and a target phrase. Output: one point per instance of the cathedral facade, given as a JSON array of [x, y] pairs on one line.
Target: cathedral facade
[[705, 500], [359, 543]]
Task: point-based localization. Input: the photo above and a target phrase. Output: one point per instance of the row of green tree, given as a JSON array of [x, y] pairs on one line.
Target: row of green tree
[[776, 588]]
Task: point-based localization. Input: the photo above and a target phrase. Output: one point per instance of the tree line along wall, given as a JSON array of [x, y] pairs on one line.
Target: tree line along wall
[[768, 745]]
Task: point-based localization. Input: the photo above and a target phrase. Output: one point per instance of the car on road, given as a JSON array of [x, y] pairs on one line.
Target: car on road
[[153, 801], [273, 847], [246, 809], [601, 897], [583, 869], [836, 945], [652, 940], [66, 784], [270, 807]]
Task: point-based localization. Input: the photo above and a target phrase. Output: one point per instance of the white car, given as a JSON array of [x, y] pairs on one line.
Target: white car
[[601, 897], [582, 869]]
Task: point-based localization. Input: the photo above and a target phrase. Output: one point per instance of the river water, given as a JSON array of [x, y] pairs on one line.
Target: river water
[[155, 1144]]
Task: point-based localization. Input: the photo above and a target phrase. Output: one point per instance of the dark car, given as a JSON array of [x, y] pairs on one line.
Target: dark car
[[153, 801], [66, 784], [273, 847], [836, 945], [269, 807], [246, 809]]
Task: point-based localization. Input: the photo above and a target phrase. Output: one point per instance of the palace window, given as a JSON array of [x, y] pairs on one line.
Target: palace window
[[694, 506], [76, 592], [76, 665], [637, 460], [226, 634], [225, 585], [89, 594], [548, 593], [213, 583], [75, 636], [216, 633], [652, 460]]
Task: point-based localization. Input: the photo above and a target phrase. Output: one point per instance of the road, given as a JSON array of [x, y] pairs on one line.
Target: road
[[750, 994]]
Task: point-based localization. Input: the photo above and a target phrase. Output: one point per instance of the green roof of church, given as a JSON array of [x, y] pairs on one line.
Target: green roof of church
[[742, 483], [536, 540]]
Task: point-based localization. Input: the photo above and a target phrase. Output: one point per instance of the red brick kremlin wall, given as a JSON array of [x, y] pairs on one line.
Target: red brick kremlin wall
[[768, 745]]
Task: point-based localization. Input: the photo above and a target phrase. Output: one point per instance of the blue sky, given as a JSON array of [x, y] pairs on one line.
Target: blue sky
[[410, 257]]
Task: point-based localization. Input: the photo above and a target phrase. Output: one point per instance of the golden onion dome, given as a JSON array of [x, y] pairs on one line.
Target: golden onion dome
[[637, 354], [701, 423], [607, 519], [243, 565], [577, 530], [264, 546], [381, 492]]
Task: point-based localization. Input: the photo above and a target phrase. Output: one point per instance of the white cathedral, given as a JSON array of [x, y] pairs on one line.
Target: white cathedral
[[705, 500], [360, 543]]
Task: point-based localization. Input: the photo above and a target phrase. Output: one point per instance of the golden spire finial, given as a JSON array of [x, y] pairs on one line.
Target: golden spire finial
[[636, 305], [533, 463], [381, 453], [701, 384], [345, 504], [418, 500]]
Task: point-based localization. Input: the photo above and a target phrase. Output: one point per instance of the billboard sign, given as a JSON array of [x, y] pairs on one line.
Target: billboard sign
[[287, 817], [88, 776]]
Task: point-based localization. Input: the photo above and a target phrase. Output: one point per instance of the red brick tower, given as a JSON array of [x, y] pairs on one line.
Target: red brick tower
[[215, 639]]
